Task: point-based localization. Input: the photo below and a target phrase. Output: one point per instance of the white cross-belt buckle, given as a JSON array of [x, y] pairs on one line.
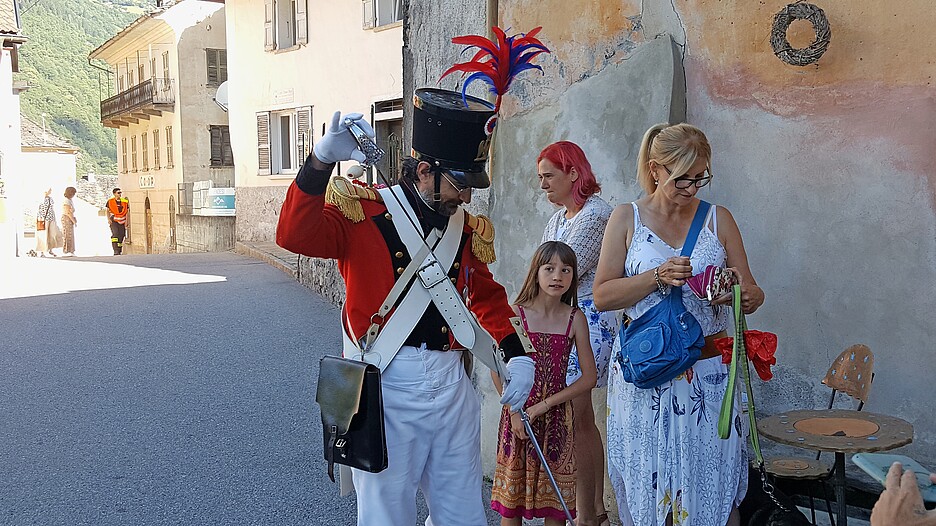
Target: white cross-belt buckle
[[434, 276]]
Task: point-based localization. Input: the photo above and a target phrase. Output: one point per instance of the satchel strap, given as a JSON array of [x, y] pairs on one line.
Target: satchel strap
[[694, 229]]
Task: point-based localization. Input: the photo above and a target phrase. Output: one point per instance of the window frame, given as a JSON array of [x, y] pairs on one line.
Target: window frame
[[276, 14], [169, 152], [123, 148], [156, 149], [133, 154], [216, 66], [144, 150]]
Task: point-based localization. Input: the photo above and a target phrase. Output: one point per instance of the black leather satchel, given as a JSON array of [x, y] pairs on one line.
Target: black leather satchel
[[351, 402]]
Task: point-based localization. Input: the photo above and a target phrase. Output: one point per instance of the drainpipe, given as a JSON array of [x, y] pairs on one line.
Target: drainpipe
[[491, 17]]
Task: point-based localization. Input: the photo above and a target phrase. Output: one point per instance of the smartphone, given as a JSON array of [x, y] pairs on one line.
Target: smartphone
[[878, 464]]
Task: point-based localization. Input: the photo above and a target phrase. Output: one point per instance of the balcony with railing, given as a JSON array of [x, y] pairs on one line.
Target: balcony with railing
[[148, 98]]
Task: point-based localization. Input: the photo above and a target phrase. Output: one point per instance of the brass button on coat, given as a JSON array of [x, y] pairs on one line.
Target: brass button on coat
[[444, 329], [456, 265], [446, 347], [388, 216], [398, 255], [400, 270], [453, 280]]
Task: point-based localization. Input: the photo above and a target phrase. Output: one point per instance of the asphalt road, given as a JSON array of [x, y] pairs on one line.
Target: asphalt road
[[162, 390]]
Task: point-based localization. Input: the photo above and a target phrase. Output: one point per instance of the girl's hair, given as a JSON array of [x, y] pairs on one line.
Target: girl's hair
[[675, 145], [541, 257], [567, 155], [70, 192]]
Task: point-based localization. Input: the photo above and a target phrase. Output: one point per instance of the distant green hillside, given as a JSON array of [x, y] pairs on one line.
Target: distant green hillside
[[63, 86]]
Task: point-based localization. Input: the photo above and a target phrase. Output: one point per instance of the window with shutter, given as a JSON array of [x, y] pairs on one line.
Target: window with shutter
[[304, 133], [133, 152], [216, 60], [123, 153], [302, 27], [221, 154], [269, 39], [145, 142], [169, 163], [263, 142], [370, 19], [156, 150]]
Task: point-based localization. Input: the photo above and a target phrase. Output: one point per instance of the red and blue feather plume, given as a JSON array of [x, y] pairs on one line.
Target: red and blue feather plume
[[497, 64]]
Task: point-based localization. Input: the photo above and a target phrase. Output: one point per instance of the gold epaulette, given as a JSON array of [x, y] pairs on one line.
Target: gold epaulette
[[482, 237], [346, 196]]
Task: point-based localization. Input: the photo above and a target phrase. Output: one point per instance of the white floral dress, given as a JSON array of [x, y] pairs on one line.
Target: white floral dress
[[664, 453]]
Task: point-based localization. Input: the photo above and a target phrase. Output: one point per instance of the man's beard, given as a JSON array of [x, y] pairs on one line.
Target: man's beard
[[443, 207]]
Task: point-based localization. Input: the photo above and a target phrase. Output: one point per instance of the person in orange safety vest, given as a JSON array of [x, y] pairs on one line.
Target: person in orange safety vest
[[117, 209]]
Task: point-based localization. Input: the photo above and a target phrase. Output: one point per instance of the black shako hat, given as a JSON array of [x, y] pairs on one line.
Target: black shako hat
[[452, 137]]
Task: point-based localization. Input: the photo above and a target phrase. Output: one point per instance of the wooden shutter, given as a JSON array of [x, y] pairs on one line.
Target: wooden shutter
[[222, 65], [212, 57], [215, 145], [370, 17], [302, 23], [269, 40], [227, 153], [263, 143], [304, 132]]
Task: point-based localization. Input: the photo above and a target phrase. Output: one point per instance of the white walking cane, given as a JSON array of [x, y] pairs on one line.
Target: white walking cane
[[539, 452]]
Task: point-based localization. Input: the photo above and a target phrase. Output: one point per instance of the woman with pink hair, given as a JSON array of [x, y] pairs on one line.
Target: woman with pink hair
[[566, 176]]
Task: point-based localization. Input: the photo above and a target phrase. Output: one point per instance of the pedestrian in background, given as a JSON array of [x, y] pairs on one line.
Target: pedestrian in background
[[117, 209], [69, 221], [48, 233]]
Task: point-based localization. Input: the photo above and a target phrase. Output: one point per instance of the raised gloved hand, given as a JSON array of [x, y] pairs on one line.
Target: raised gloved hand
[[338, 144], [519, 382]]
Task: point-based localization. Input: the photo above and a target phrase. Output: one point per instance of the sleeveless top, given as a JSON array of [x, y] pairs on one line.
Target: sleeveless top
[[648, 251]]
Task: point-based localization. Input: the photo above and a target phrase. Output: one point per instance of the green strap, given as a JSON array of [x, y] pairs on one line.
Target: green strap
[[739, 349]]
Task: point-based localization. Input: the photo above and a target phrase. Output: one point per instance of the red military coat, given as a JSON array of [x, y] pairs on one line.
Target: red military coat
[[371, 256]]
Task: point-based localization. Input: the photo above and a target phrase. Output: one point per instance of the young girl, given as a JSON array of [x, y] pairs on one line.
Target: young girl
[[547, 307]]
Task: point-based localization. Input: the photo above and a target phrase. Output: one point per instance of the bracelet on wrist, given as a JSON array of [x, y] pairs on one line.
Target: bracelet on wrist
[[661, 288]]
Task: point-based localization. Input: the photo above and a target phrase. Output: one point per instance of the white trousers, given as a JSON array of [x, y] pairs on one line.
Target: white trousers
[[432, 417]]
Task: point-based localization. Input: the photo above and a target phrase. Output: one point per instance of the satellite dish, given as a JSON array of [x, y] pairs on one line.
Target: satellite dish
[[221, 97]]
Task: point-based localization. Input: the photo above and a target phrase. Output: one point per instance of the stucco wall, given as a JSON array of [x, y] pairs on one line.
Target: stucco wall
[[10, 149], [828, 170]]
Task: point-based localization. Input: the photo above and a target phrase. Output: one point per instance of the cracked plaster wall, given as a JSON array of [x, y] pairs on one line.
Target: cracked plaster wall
[[828, 169]]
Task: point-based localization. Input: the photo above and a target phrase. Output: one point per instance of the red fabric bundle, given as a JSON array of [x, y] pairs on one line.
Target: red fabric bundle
[[761, 347]]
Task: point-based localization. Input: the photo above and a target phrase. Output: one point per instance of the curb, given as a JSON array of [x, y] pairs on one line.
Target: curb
[[281, 259]]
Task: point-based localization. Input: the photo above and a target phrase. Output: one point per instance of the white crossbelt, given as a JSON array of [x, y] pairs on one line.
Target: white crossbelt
[[433, 275], [383, 342]]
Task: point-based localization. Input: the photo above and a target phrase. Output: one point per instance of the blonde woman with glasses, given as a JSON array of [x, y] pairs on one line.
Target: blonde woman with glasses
[[664, 455]]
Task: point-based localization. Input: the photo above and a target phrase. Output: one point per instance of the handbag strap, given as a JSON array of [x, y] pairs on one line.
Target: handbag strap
[[691, 237]]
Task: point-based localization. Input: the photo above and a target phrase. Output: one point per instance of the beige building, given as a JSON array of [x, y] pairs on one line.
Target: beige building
[[292, 64], [173, 142]]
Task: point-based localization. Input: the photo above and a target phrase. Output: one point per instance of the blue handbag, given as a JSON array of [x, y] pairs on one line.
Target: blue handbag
[[667, 339]]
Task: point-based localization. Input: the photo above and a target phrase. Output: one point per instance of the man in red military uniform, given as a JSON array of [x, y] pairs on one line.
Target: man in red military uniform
[[431, 411]]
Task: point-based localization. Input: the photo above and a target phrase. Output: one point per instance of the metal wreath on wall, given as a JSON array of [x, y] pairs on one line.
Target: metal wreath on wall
[[800, 11]]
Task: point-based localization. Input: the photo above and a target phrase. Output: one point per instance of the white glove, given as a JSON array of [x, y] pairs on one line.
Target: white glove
[[338, 144], [519, 382]]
